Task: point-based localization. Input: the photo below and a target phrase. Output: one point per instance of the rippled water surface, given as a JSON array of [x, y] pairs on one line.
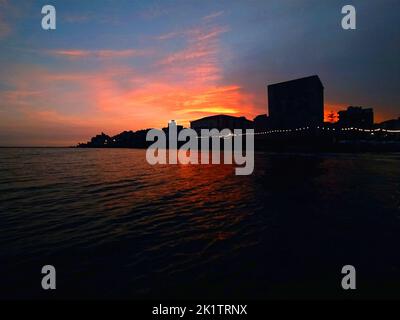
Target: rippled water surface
[[114, 226]]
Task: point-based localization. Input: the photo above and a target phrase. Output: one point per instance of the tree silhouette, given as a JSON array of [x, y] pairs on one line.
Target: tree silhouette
[[332, 117]]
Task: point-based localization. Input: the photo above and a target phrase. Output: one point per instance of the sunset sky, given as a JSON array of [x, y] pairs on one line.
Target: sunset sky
[[126, 65]]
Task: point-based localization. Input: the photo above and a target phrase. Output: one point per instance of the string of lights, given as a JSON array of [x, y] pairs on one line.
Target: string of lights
[[302, 129]]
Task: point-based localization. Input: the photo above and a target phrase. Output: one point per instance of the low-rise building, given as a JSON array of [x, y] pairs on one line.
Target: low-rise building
[[356, 117], [221, 122]]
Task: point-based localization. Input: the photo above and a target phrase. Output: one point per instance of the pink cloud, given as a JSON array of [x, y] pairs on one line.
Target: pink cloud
[[77, 53], [115, 97], [168, 35], [213, 15]]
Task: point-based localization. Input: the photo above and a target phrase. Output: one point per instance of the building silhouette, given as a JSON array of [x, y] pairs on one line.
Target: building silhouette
[[261, 123], [393, 124], [296, 103], [221, 122], [100, 140], [172, 123], [356, 117]]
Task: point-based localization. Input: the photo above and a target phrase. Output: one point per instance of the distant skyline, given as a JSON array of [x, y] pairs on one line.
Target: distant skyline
[[127, 65]]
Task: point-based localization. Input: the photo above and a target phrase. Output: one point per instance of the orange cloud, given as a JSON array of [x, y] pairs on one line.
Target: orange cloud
[[181, 85]]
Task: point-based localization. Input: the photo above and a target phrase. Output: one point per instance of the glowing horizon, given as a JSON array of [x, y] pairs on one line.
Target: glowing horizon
[[135, 66]]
